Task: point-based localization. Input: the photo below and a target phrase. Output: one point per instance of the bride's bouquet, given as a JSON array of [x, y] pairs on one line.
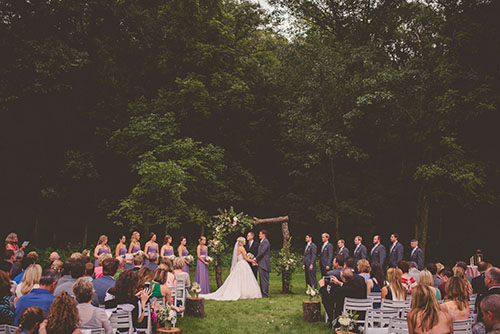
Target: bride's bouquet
[[251, 256], [189, 258], [195, 289]]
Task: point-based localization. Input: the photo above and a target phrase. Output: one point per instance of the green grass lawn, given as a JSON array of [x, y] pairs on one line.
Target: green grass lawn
[[276, 314]]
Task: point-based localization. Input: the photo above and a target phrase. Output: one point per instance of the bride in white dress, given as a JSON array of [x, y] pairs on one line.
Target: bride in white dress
[[241, 283]]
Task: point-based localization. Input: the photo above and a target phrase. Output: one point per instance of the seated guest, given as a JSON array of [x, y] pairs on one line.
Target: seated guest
[[145, 277], [432, 268], [63, 316], [425, 278], [31, 280], [338, 265], [168, 266], [16, 265], [6, 310], [76, 271], [30, 320], [456, 302], [478, 285], [121, 266], [123, 297], [377, 281], [395, 289], [490, 308], [364, 269], [8, 262], [41, 297], [159, 287], [129, 261], [445, 274], [98, 271], [153, 262], [426, 316], [459, 272], [54, 256], [463, 265], [77, 256], [58, 266], [89, 271], [6, 267], [408, 282], [27, 261], [413, 272], [138, 262], [348, 287], [90, 317], [33, 255], [106, 281], [181, 275], [492, 282]]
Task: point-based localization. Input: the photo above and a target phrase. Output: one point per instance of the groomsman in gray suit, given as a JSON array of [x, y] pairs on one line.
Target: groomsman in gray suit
[[343, 250], [395, 252], [326, 254], [310, 262], [264, 263], [360, 250], [417, 255], [378, 251]]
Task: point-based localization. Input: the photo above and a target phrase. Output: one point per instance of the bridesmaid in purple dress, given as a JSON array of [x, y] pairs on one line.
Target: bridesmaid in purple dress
[[150, 247], [121, 248], [201, 274], [183, 252], [167, 250], [101, 248], [135, 244]]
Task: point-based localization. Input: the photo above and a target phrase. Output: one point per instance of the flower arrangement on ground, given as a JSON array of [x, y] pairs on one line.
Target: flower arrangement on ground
[[346, 321], [166, 316], [312, 292]]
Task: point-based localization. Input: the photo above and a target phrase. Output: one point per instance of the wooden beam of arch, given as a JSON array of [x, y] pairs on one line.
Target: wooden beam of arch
[[284, 228]]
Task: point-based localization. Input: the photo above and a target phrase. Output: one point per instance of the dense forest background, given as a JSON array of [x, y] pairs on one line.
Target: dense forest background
[[352, 117]]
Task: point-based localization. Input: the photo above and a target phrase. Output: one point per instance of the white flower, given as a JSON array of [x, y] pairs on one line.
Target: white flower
[[344, 321], [313, 293]]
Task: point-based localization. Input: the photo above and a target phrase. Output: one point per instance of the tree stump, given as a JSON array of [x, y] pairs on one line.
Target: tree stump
[[163, 330], [312, 311], [195, 307]]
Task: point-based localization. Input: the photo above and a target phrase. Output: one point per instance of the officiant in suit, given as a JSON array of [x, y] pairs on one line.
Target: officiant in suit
[[395, 252], [309, 265], [326, 254], [263, 260], [252, 246]]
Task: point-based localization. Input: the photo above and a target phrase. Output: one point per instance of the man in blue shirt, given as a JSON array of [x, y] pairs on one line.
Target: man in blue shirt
[[106, 281], [41, 297]]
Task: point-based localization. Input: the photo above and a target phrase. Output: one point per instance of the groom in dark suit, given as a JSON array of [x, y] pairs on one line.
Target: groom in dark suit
[[263, 260], [252, 246]]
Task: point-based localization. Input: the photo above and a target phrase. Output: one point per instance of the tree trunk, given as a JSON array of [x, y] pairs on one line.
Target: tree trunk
[[85, 234], [335, 200], [423, 219], [311, 311], [218, 273]]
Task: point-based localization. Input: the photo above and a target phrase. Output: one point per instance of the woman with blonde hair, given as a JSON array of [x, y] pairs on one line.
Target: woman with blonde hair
[[179, 272], [63, 316], [31, 280], [167, 265], [456, 302], [183, 253], [426, 316], [101, 248], [135, 244], [425, 278], [395, 289], [57, 265], [460, 273], [364, 269], [98, 270], [11, 242]]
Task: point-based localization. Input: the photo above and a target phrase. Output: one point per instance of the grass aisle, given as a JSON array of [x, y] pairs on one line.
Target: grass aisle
[[277, 314]]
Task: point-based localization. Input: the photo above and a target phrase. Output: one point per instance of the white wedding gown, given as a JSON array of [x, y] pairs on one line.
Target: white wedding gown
[[240, 284]]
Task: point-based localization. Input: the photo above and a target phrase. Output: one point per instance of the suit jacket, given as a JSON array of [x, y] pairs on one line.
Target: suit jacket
[[378, 254], [336, 294], [263, 255], [417, 256], [326, 256], [478, 285], [254, 249], [344, 253], [492, 291], [395, 254], [360, 253], [310, 255]]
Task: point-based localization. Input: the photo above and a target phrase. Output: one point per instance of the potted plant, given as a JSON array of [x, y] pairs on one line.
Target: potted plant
[[195, 306], [166, 318], [346, 321], [312, 307]]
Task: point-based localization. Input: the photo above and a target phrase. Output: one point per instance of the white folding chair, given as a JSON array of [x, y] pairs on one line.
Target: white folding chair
[[180, 295], [376, 297], [398, 304], [472, 302], [379, 318], [359, 305], [4, 329], [398, 326], [462, 327], [120, 320], [147, 316], [12, 329], [92, 331]]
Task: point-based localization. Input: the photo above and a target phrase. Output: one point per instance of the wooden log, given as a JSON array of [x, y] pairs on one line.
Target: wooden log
[[312, 311], [195, 307], [271, 220]]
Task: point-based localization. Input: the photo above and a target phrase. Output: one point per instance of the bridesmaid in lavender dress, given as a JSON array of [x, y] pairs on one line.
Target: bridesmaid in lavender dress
[[201, 274], [121, 248], [135, 244], [183, 252], [150, 247], [101, 248], [167, 250]]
